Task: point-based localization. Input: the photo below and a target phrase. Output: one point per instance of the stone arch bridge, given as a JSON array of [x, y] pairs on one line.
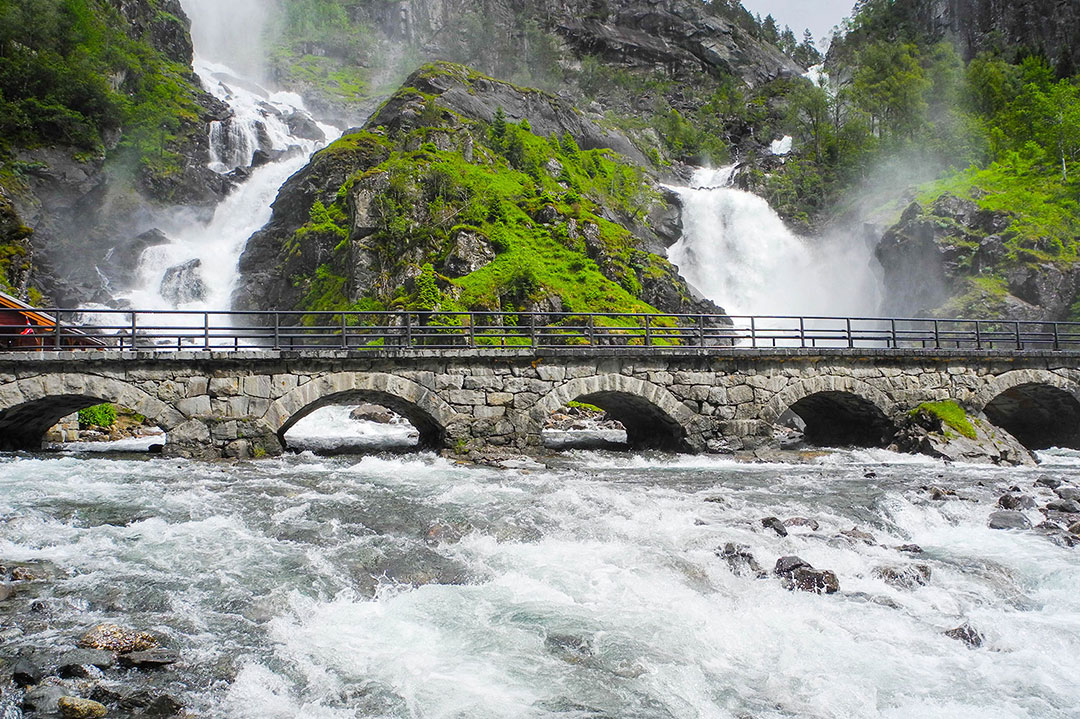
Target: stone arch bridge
[[239, 404]]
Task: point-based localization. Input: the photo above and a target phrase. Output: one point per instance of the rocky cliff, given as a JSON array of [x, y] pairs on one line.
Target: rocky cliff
[[468, 193], [144, 150]]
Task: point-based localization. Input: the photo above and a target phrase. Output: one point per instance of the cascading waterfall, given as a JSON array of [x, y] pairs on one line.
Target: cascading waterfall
[[739, 253]]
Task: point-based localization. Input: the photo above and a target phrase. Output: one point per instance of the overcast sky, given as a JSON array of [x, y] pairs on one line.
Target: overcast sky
[[818, 15]]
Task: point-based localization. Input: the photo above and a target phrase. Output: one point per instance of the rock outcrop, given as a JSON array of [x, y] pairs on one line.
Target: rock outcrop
[[430, 181], [952, 259], [924, 431]]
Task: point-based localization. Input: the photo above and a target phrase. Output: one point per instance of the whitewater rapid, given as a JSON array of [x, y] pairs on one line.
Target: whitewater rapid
[[412, 587]]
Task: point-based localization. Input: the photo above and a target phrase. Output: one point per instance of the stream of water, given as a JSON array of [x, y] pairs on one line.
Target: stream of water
[[413, 587]]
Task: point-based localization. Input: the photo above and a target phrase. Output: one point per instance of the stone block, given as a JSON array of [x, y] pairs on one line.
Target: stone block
[[740, 394], [551, 373], [579, 371], [499, 399], [258, 386], [197, 386], [483, 383], [664, 379], [283, 383], [449, 381], [524, 400], [466, 396], [224, 386], [194, 406], [485, 412]]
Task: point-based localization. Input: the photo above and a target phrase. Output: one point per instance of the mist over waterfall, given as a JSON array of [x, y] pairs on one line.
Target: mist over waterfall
[[269, 137], [739, 253]]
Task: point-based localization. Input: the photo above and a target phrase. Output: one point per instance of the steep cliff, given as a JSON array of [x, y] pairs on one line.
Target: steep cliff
[[465, 192], [102, 121]]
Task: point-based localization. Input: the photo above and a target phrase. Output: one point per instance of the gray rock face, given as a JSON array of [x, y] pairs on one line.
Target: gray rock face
[[923, 433], [469, 253]]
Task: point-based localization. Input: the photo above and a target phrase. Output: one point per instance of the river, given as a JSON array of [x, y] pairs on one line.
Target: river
[[415, 587]]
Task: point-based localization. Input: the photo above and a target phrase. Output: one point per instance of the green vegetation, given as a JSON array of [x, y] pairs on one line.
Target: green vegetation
[[102, 415], [951, 414], [69, 74]]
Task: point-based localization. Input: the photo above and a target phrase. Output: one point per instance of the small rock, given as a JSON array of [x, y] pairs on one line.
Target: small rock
[[148, 704], [150, 658], [1016, 501], [716, 500], [114, 638], [571, 648], [1072, 493], [76, 662], [966, 634], [76, 708], [910, 548], [774, 524], [741, 561], [25, 673], [1048, 482], [858, 534], [1068, 506], [1075, 529], [916, 575], [1009, 520], [802, 522], [25, 574], [798, 574], [6, 591], [939, 494], [43, 698], [443, 533]]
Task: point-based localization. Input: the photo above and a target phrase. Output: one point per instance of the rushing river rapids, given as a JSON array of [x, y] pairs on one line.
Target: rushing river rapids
[[413, 587]]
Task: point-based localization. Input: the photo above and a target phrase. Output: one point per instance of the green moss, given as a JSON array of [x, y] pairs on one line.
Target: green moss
[[102, 415], [951, 414]]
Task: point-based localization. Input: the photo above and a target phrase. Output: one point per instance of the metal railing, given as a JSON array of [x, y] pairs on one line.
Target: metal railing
[[174, 330]]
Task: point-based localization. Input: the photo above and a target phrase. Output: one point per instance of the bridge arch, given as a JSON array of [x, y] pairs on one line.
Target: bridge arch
[[652, 416], [837, 410], [30, 406], [1038, 407], [429, 414]]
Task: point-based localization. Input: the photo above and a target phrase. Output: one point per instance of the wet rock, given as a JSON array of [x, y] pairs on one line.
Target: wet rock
[[372, 413], [183, 283], [774, 524], [1009, 520], [910, 549], [1075, 529], [1016, 501], [1066, 506], [444, 534], [802, 522], [571, 648], [966, 634], [150, 704], [873, 599], [740, 560], [25, 672], [76, 708], [1068, 493], [43, 698], [114, 638], [909, 577], [799, 574], [1048, 482], [858, 535], [78, 662], [939, 494], [6, 592], [150, 658]]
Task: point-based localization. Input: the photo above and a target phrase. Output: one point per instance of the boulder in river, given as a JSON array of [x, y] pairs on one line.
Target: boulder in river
[[909, 577], [966, 634], [25, 672], [1016, 501], [114, 638], [153, 658], [76, 708], [944, 430], [77, 662], [1072, 493], [740, 560], [1049, 482], [43, 698], [802, 522], [799, 574], [1068, 506], [774, 524], [183, 283], [372, 413], [1009, 520]]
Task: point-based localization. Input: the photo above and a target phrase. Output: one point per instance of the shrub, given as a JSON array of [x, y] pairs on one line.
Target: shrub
[[102, 415]]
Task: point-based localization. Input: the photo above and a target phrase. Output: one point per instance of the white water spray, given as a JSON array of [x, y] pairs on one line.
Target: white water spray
[[739, 253]]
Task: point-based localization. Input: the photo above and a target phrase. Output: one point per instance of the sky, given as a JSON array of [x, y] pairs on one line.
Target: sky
[[818, 15]]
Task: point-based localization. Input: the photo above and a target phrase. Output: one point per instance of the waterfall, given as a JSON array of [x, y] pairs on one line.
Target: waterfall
[[739, 253]]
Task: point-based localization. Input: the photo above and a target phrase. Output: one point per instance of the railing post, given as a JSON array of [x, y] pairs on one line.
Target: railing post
[[892, 333], [1057, 345], [206, 331], [978, 335], [532, 329], [701, 331], [408, 329], [344, 330], [937, 336], [850, 339], [1019, 341], [802, 333], [134, 327], [592, 330], [56, 327], [277, 331], [648, 331], [472, 331], [753, 334]]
